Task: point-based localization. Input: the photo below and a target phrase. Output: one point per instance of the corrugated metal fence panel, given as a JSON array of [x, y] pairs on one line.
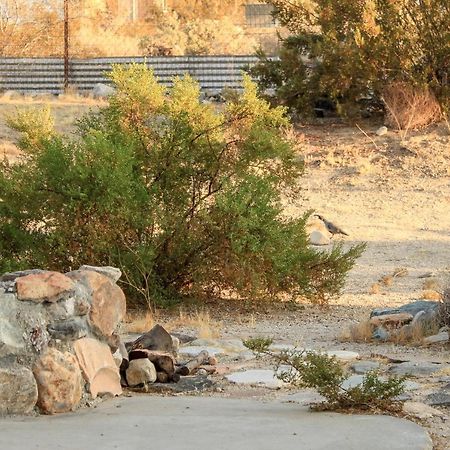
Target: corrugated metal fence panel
[[38, 75]]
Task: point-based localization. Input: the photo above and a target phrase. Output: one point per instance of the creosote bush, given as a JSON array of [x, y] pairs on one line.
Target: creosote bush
[[319, 371], [184, 198]]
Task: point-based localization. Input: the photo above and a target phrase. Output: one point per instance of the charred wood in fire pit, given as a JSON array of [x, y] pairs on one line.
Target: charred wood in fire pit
[[193, 364]]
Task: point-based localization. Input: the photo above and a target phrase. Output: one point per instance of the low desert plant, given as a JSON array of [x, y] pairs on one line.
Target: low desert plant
[[444, 310], [325, 374]]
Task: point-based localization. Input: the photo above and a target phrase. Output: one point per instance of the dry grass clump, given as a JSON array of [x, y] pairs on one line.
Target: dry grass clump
[[410, 107], [202, 321], [431, 295], [444, 309], [139, 322], [360, 332]]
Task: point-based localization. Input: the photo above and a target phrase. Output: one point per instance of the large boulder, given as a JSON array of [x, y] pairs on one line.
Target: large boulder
[[18, 390], [59, 381], [108, 305]]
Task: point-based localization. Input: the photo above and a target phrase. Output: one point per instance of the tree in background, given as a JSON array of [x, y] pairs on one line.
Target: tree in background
[[348, 50]]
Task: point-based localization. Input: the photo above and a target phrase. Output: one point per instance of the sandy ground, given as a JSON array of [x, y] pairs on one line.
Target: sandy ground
[[392, 192]]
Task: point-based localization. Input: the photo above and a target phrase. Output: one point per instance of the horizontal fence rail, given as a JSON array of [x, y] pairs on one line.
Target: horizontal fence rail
[[39, 75]]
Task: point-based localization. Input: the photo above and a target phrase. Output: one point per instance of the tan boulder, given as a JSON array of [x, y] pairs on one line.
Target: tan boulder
[[59, 381], [98, 366], [108, 306], [391, 319], [44, 287]]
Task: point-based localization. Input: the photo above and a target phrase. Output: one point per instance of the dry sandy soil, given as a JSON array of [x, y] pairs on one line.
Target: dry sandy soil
[[392, 192]]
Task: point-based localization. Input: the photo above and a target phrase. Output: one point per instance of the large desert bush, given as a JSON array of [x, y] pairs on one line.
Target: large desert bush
[[184, 198], [350, 50]]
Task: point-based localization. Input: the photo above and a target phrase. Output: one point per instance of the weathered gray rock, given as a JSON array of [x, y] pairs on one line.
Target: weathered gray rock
[[68, 330], [140, 371], [113, 273], [12, 276], [421, 410], [416, 369], [175, 344], [11, 334], [362, 367], [58, 378], [357, 380], [156, 339], [18, 390], [380, 334], [410, 308], [440, 398]]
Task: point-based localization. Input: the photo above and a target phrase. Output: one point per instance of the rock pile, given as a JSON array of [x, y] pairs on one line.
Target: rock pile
[[58, 335]]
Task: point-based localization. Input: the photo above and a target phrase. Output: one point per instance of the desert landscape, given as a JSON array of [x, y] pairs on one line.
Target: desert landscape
[[390, 191]]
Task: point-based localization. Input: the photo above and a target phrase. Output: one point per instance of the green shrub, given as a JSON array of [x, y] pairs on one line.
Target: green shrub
[[185, 199], [357, 47], [319, 371]]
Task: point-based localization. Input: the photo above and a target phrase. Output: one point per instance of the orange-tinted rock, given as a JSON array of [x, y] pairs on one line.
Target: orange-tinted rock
[[59, 382], [98, 366], [108, 306], [44, 287]]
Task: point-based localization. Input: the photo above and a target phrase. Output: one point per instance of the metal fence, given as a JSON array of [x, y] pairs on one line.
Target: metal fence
[[38, 75]]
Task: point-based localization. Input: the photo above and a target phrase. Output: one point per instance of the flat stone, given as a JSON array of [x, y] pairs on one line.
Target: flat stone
[[262, 377], [440, 398], [437, 338], [285, 348], [357, 380], [108, 305], [191, 350], [421, 410], [98, 366], [416, 368], [411, 308], [44, 287], [113, 273], [231, 423], [343, 355], [362, 367], [18, 390], [140, 371], [391, 319], [59, 381], [319, 238], [305, 397]]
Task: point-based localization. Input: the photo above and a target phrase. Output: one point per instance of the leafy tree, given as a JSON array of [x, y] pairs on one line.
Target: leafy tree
[[184, 198], [356, 48]]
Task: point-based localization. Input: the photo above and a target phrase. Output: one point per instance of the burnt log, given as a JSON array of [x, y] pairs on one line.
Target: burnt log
[[192, 365]]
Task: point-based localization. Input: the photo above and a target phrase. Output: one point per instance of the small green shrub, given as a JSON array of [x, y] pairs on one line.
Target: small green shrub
[[325, 374], [185, 199]]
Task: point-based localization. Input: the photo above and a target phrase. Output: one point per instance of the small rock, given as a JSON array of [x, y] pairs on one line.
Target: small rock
[[44, 287], [202, 372], [380, 334], [382, 131], [175, 344], [441, 398], [59, 380], [421, 410], [18, 390], [437, 338], [140, 371], [362, 367], [319, 238], [343, 355]]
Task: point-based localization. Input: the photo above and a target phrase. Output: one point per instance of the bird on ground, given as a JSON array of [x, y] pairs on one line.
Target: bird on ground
[[331, 227]]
